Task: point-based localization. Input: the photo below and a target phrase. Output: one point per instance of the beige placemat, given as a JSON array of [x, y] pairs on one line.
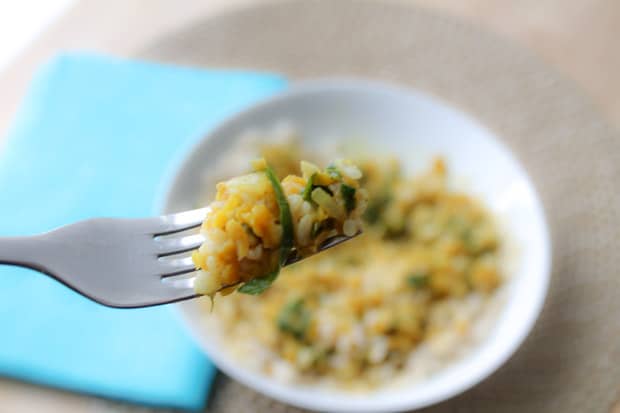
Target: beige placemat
[[570, 363]]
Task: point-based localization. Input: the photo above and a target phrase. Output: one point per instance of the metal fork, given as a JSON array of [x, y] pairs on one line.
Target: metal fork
[[123, 263]]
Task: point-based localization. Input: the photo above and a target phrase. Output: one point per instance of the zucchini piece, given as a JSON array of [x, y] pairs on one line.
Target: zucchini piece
[[306, 194], [326, 189], [308, 169], [325, 201]]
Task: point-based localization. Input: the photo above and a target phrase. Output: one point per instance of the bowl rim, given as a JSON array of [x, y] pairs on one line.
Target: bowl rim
[[284, 392]]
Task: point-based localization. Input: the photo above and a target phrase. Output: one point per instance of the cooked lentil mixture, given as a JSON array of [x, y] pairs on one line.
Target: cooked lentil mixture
[[357, 313], [257, 221]]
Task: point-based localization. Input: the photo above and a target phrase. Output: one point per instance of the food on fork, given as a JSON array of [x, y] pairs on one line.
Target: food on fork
[[257, 221]]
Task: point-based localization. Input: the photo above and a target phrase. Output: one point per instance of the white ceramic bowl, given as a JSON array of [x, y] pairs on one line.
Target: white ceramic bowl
[[416, 127]]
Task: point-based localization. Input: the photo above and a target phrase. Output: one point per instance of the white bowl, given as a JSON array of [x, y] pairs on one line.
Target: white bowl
[[415, 126]]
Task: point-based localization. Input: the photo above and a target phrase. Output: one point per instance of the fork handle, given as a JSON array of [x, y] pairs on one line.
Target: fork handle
[[22, 251]]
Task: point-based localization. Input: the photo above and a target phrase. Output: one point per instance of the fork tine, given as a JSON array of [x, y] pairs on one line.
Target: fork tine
[[177, 245], [169, 224], [176, 266], [183, 281], [335, 240]]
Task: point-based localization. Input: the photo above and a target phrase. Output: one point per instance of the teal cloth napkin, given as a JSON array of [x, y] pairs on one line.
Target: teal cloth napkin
[[95, 137]]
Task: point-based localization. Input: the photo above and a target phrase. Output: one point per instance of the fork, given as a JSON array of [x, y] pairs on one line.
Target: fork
[[119, 262]]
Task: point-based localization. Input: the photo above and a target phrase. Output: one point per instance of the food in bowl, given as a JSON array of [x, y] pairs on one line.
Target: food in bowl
[[405, 296], [256, 222]]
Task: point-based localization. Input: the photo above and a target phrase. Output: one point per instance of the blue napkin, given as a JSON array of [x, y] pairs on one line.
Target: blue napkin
[[93, 138]]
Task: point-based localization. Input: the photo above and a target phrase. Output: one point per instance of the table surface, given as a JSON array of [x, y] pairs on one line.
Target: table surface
[[576, 37]]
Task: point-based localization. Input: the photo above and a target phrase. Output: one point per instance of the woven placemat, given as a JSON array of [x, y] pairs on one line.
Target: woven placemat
[[571, 361]]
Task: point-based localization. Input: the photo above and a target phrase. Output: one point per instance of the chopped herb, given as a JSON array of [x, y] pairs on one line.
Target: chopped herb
[[333, 172], [257, 285], [286, 220], [260, 284], [418, 279], [348, 194], [376, 208], [294, 319], [306, 194], [373, 212]]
